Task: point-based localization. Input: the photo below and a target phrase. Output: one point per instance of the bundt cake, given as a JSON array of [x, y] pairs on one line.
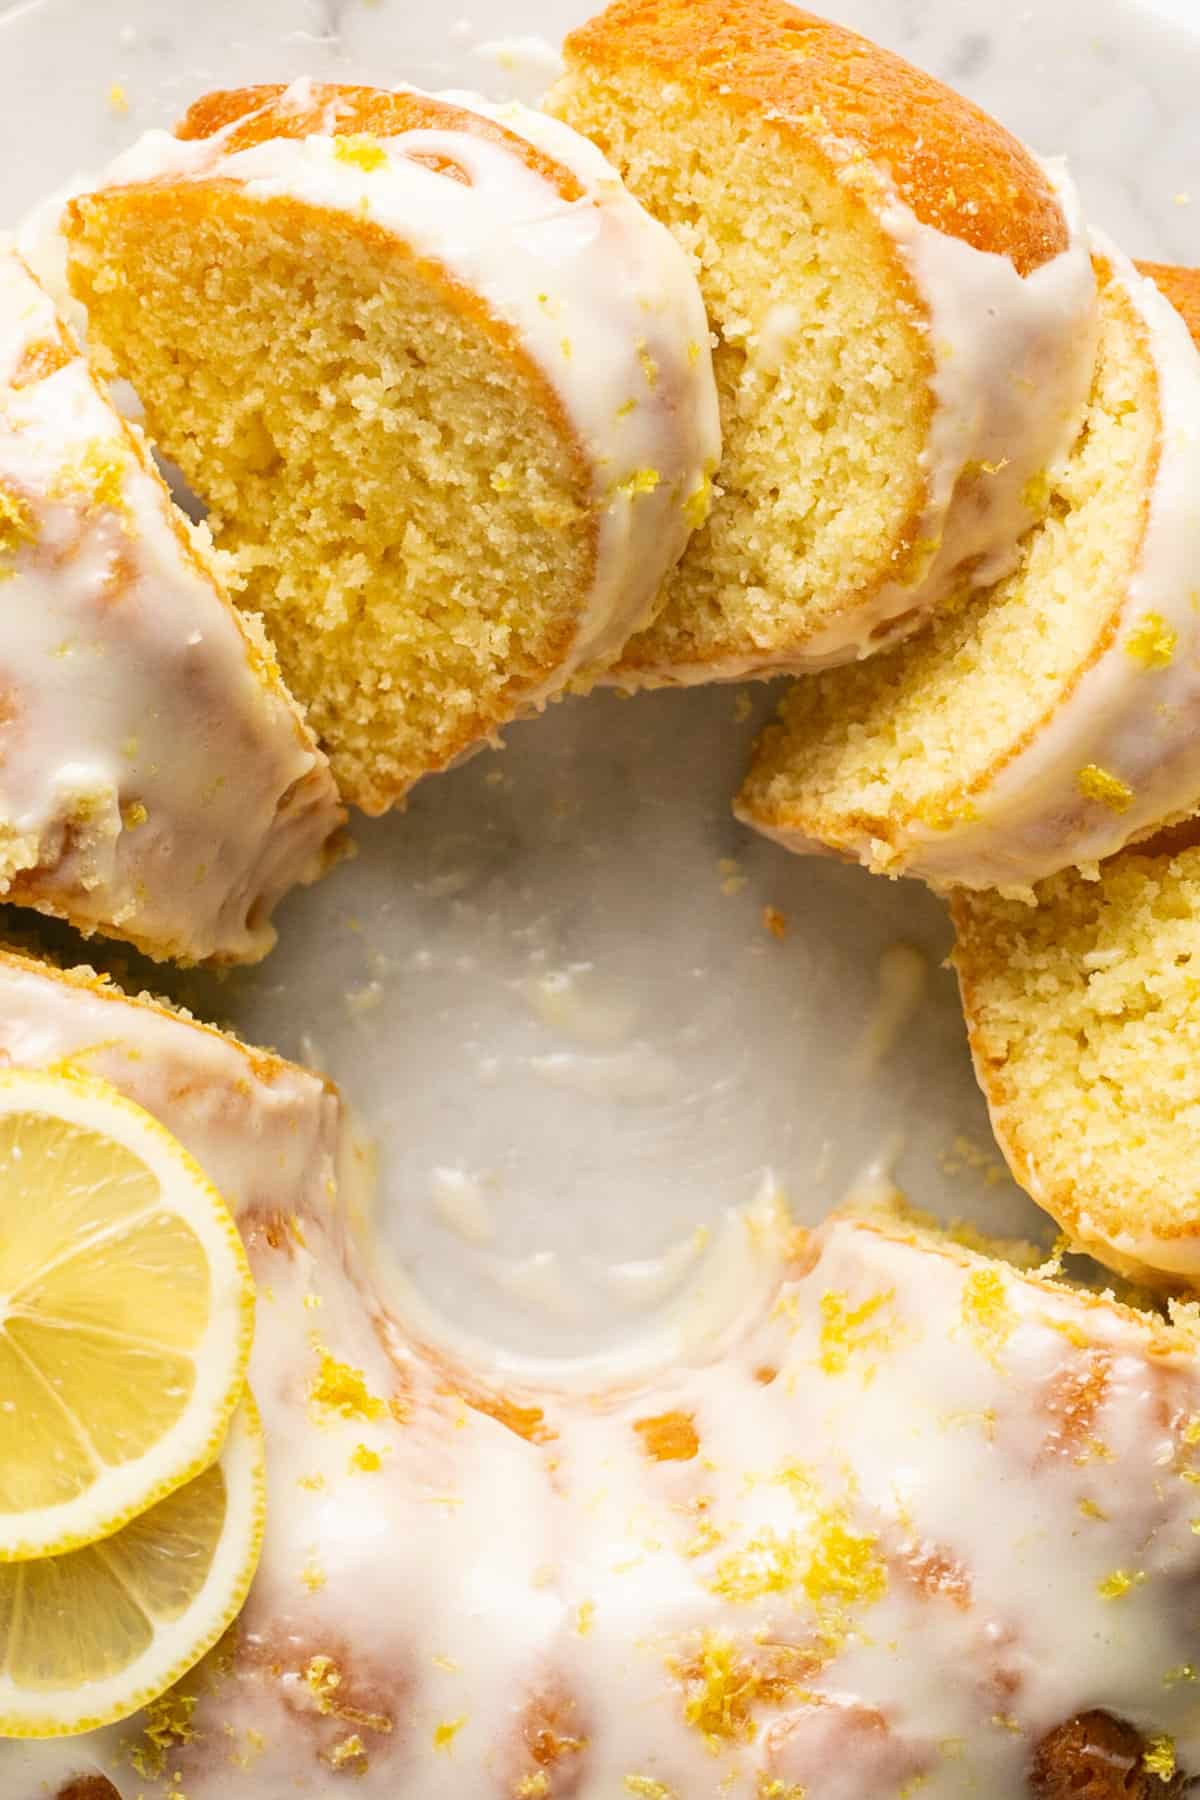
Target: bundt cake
[[157, 783], [1053, 720], [712, 1578], [1084, 1022], [444, 385], [903, 310]]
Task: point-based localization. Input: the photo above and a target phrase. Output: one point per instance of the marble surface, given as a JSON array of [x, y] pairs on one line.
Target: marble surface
[[548, 986]]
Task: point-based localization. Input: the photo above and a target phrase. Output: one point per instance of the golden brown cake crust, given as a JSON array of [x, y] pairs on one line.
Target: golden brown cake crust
[[1097, 1757], [1182, 289], [957, 169], [256, 115]]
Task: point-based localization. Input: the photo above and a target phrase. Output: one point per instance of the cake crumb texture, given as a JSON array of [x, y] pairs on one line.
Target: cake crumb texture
[[1084, 1017], [724, 112], [914, 737], [344, 414]]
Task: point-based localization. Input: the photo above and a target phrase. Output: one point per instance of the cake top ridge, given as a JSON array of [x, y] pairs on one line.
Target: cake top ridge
[[961, 172]]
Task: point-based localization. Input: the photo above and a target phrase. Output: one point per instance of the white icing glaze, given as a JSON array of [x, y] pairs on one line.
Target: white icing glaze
[[903, 980], [920, 1510], [156, 781], [1012, 362], [600, 296], [1135, 723]]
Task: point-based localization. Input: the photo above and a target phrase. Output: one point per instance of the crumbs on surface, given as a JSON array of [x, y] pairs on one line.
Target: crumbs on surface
[[16, 521], [722, 1687], [1119, 1583], [365, 1461], [669, 1437], [339, 1388], [98, 471], [775, 922], [1152, 642], [849, 1332], [698, 504], [986, 1312], [642, 481], [1158, 1758], [351, 1753], [1095, 783], [445, 1732], [360, 150], [168, 1723]]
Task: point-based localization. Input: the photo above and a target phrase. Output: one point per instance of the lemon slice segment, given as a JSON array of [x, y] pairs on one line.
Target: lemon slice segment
[[89, 1637], [126, 1314]]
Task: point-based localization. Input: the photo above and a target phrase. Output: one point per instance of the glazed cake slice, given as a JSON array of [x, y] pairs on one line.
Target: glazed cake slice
[[709, 1576], [1084, 1022], [1055, 718], [445, 387], [903, 311], [157, 782]]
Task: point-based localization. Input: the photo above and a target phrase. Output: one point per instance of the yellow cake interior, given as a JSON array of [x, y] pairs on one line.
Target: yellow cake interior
[[1084, 1012], [822, 382], [398, 499], [906, 736]]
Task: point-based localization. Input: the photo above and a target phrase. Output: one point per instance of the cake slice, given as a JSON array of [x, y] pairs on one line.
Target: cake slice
[[157, 782], [444, 385], [1083, 1013], [903, 312], [1055, 718], [711, 1576]]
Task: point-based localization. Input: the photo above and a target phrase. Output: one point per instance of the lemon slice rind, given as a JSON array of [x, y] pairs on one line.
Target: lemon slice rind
[[192, 1443], [179, 1643]]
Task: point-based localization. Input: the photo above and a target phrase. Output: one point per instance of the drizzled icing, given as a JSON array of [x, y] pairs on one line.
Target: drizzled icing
[[600, 296], [156, 781], [1011, 362], [1129, 722], [915, 1512]]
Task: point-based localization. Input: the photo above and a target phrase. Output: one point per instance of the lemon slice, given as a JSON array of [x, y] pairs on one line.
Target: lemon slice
[[126, 1314], [90, 1637]]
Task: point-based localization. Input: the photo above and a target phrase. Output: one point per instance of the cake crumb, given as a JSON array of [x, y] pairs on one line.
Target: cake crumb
[[117, 99], [364, 999], [775, 922], [732, 879], [1095, 783]]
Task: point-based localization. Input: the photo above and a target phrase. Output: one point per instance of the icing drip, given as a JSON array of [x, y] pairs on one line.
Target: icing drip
[[1011, 362]]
